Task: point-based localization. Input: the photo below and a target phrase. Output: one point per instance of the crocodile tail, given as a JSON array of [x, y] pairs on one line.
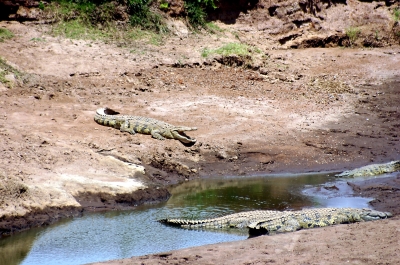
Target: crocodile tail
[[174, 222], [106, 111]]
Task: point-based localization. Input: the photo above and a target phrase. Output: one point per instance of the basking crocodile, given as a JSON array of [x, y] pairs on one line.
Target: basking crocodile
[[270, 222], [136, 124], [371, 170], [236, 220]]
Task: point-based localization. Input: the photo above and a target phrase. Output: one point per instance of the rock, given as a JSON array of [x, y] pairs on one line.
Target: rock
[[176, 7], [221, 154], [281, 77], [263, 71], [26, 13], [178, 28], [9, 9]]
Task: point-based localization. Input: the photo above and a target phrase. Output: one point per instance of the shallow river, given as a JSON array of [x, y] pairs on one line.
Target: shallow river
[[122, 234]]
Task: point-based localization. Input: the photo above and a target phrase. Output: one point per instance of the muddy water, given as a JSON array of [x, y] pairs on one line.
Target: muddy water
[[122, 234]]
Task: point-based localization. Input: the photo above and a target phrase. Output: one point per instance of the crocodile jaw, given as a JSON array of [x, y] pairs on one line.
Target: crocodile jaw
[[180, 135]]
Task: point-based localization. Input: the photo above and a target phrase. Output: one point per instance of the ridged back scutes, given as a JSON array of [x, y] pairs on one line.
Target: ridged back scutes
[[225, 219], [372, 170], [111, 120], [286, 220]]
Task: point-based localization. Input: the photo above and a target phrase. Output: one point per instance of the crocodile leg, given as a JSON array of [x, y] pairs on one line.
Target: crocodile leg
[[157, 134], [126, 127]]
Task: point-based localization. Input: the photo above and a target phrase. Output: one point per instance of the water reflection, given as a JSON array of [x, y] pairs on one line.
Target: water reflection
[[121, 234], [213, 197], [13, 250]]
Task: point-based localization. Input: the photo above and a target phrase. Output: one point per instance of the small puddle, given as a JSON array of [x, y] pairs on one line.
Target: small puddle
[[122, 234]]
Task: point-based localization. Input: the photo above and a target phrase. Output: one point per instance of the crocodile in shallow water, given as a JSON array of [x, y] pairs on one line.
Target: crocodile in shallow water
[[136, 124], [371, 170], [270, 222]]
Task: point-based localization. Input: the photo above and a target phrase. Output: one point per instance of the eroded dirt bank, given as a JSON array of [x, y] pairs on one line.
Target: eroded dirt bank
[[314, 109], [290, 111]]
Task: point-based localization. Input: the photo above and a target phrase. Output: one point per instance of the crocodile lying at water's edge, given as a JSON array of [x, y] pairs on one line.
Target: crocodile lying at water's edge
[[371, 170], [270, 222], [136, 124]]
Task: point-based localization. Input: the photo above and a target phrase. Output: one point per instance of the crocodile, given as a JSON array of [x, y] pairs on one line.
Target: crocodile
[[136, 124], [371, 170], [271, 222]]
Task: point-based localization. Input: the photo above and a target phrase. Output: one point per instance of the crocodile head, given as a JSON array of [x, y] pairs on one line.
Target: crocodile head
[[178, 133], [108, 111], [370, 215]]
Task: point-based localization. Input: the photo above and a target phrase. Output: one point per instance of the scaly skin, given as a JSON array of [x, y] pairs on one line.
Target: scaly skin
[[136, 124], [236, 220], [292, 221], [371, 170], [270, 222]]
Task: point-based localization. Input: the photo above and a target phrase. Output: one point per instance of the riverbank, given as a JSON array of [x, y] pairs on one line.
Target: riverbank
[[301, 111], [359, 243]]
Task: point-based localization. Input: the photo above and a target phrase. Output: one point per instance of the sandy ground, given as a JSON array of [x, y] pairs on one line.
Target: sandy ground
[[302, 110]]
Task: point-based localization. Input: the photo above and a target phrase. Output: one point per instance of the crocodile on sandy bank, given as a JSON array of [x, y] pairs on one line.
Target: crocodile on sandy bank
[[136, 124], [371, 170], [270, 222]]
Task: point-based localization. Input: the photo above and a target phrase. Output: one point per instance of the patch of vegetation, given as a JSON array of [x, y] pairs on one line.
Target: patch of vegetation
[[76, 29], [137, 34], [142, 17], [41, 5], [38, 40], [106, 20], [196, 11], [82, 19], [196, 14], [213, 28], [5, 34], [377, 37], [236, 34], [395, 27], [164, 5], [232, 48], [11, 189], [396, 14], [6, 69], [353, 33]]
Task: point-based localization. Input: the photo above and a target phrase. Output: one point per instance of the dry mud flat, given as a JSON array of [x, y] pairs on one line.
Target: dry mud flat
[[302, 110]]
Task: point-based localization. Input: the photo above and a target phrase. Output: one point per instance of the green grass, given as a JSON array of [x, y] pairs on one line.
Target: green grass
[[95, 20], [5, 34], [41, 5], [38, 39], [69, 10], [353, 33], [137, 34], [232, 48], [82, 19], [164, 5], [396, 14], [213, 28], [196, 14], [144, 18], [76, 29], [6, 69]]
